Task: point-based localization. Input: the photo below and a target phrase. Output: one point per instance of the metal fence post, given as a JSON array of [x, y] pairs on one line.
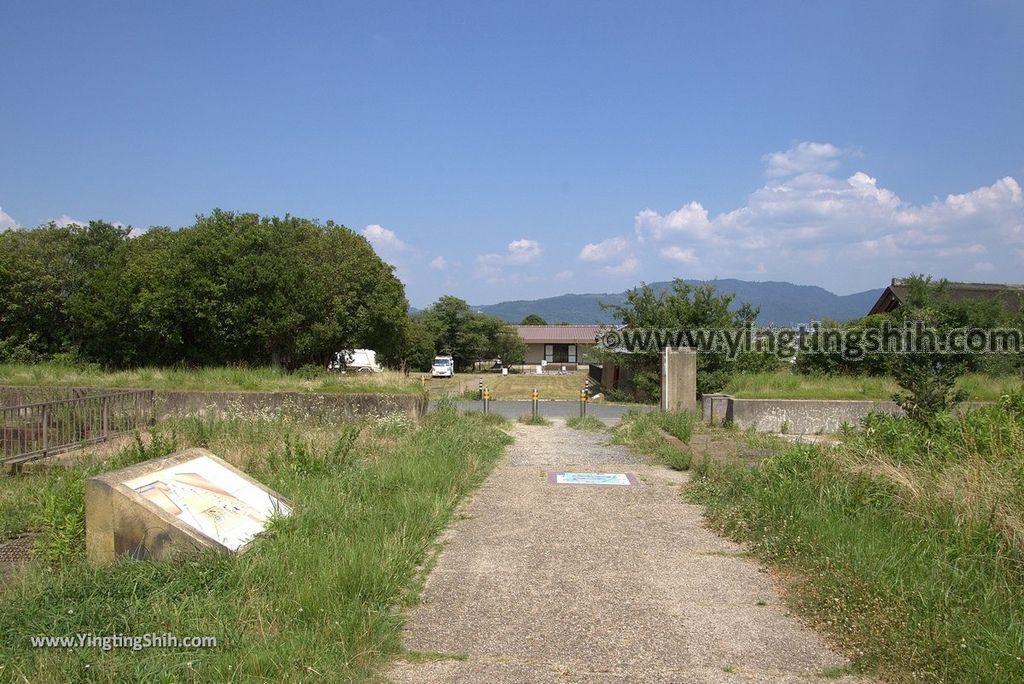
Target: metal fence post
[[106, 416], [46, 428]]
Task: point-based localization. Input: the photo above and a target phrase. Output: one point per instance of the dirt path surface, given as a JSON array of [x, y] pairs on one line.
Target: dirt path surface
[[542, 582]]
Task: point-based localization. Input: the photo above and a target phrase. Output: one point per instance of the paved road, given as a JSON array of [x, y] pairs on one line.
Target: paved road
[[609, 413], [543, 582]]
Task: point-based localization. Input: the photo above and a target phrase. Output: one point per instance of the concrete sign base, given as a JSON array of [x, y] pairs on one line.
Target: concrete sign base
[[169, 507]]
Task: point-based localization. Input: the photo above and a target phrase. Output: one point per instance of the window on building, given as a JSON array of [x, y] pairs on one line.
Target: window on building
[[560, 353]]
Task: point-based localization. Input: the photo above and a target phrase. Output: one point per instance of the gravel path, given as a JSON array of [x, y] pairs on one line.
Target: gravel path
[[543, 582]]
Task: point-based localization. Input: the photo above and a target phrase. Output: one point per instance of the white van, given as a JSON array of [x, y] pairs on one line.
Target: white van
[[356, 361], [443, 367]]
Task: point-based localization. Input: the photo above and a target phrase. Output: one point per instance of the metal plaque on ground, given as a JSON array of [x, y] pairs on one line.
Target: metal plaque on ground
[[606, 479]]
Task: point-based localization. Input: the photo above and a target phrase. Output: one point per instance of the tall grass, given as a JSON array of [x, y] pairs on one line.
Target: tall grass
[[907, 544], [642, 432], [787, 385], [318, 597], [586, 423], [221, 378]]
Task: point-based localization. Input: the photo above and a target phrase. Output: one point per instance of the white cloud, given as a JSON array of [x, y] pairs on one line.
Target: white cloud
[[628, 265], [683, 255], [563, 276], [690, 220], [523, 251], [847, 232], [439, 263], [383, 238], [807, 157], [7, 222], [64, 221], [492, 267], [605, 250]]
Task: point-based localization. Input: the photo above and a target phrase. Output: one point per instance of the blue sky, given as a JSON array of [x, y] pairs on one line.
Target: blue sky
[[517, 150]]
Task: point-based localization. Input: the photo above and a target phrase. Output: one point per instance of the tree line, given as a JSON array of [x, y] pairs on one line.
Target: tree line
[[232, 288]]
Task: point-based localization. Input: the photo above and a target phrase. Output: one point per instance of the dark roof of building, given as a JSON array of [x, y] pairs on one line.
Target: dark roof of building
[[559, 334], [1011, 296]]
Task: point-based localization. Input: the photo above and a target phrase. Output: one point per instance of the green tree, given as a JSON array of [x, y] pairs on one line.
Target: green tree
[[533, 319], [468, 335], [928, 375], [416, 351], [232, 288], [684, 307]]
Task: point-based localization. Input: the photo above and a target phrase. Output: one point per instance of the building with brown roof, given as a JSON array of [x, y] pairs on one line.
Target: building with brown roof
[[559, 345], [1011, 296]]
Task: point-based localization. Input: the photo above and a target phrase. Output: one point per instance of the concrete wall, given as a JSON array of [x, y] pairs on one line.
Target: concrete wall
[[323, 406], [798, 416], [12, 395], [177, 402], [804, 416]]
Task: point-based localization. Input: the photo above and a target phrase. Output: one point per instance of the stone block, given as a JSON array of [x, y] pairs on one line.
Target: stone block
[[171, 507]]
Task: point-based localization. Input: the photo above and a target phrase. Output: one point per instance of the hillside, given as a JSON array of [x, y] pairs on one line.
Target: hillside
[[781, 303]]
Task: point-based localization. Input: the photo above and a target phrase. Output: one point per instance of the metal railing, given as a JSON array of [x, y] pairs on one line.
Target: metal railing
[[31, 431]]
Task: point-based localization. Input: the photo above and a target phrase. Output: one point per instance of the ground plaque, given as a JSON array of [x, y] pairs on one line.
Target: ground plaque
[[609, 479], [168, 507]]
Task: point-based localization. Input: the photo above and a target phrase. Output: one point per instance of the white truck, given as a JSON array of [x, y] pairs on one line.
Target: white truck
[[443, 367], [356, 361]]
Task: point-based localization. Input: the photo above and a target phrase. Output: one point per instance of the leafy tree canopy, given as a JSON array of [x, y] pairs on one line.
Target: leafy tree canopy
[[231, 288]]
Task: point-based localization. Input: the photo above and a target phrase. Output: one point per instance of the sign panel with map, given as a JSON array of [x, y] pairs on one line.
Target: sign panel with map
[[207, 496]]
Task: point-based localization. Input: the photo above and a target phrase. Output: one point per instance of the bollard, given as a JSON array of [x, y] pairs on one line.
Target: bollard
[[583, 403], [535, 397], [481, 388], [487, 398]]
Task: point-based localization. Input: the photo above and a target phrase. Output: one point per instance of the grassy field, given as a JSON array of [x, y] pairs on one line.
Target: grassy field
[[209, 379], [786, 385], [515, 386], [319, 597], [906, 547]]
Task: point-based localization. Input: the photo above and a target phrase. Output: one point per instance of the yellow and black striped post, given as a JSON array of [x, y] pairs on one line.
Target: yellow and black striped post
[[535, 398], [481, 388]]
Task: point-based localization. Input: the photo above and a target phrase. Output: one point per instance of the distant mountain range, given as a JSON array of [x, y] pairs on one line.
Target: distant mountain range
[[781, 303]]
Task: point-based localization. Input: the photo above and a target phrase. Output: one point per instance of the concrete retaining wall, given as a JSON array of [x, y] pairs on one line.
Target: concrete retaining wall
[[179, 402], [12, 395], [323, 406], [797, 416], [804, 416]]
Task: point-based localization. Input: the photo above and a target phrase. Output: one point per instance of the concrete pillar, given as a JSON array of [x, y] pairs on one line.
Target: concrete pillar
[[678, 380], [716, 409]]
